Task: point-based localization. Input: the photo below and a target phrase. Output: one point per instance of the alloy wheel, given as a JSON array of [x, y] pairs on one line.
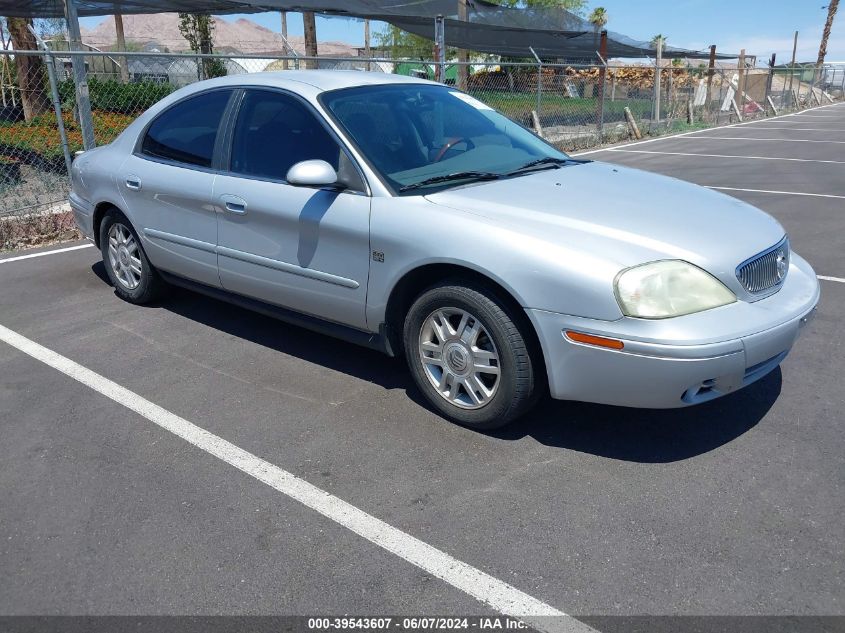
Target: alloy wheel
[[125, 256], [459, 358]]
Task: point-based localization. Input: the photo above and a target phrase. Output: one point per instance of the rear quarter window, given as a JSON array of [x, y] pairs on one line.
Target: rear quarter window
[[187, 131]]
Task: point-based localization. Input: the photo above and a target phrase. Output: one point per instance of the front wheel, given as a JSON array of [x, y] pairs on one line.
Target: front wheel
[[469, 356]]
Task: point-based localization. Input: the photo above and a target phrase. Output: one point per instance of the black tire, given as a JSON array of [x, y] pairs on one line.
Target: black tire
[[150, 285], [517, 388]]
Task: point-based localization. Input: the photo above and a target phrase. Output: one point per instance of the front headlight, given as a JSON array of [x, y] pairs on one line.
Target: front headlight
[[667, 289]]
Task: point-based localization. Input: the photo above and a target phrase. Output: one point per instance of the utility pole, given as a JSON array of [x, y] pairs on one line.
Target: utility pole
[[463, 54], [740, 82]]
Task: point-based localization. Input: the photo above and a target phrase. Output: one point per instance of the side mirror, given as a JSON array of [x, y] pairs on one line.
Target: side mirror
[[312, 173]]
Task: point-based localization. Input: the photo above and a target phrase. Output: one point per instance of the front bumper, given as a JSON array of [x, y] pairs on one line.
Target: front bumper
[[680, 361]]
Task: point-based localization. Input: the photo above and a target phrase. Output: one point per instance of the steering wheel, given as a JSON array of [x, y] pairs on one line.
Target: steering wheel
[[450, 143]]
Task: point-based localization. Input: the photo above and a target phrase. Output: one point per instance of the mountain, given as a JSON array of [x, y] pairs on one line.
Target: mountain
[[161, 30]]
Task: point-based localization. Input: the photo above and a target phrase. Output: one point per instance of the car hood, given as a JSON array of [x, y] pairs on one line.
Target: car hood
[[625, 216]]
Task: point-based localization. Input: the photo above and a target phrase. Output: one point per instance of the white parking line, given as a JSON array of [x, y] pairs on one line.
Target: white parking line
[[797, 160], [803, 121], [493, 592], [44, 253], [750, 138], [791, 129], [816, 116], [672, 136], [826, 278], [785, 193]]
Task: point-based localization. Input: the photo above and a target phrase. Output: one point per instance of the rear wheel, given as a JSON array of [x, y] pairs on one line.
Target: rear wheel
[[469, 356], [133, 277]]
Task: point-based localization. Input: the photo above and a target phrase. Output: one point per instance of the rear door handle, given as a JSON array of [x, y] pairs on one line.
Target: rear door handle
[[133, 182], [233, 204]]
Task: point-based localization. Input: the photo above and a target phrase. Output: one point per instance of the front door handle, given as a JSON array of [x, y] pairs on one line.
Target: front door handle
[[233, 204], [133, 182]]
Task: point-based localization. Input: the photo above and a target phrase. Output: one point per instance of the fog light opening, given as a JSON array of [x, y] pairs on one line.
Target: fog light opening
[[694, 394]]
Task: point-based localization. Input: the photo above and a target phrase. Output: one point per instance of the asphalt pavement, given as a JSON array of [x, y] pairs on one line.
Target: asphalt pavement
[[733, 507]]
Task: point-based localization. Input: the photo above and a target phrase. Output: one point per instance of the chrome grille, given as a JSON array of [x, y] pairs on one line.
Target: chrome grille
[[766, 270]]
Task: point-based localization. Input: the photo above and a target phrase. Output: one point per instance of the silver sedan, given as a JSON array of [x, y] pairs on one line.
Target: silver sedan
[[409, 217]]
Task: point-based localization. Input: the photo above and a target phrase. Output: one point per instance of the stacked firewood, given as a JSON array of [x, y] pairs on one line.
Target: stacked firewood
[[524, 78]]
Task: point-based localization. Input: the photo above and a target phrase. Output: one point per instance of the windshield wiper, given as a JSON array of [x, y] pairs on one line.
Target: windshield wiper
[[458, 175], [550, 161]]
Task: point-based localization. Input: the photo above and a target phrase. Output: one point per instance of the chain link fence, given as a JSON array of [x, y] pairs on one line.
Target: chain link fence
[[573, 106]]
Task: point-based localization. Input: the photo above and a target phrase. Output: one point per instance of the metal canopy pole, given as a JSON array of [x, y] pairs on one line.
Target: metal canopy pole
[[80, 79], [463, 54]]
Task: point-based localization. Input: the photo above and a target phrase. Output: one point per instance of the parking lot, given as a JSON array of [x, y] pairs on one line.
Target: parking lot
[[132, 480]]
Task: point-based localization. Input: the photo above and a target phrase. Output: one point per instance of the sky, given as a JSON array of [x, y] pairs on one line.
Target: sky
[[762, 27]]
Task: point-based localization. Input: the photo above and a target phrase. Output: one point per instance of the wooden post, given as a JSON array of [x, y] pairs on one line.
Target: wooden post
[[740, 82], [632, 124], [535, 119], [690, 115], [736, 109], [309, 24], [284, 16], [463, 54], [602, 79], [771, 76], [711, 69], [121, 46], [658, 62], [792, 65], [440, 49], [367, 50]]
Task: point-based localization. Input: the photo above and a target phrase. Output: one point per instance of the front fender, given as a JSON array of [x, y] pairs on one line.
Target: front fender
[[413, 232]]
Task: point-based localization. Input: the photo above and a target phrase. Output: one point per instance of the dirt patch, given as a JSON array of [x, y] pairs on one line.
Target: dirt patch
[[37, 230]]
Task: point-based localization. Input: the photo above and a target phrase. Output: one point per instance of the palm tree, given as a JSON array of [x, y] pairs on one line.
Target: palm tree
[[31, 72], [598, 18], [831, 12], [658, 38]]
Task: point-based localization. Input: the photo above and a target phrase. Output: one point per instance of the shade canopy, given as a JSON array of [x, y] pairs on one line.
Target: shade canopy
[[489, 28]]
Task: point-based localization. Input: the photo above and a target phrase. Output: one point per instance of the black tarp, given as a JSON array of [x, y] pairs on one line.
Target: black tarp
[[490, 28]]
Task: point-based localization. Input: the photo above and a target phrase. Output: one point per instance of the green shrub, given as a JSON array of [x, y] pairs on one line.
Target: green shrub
[[113, 96]]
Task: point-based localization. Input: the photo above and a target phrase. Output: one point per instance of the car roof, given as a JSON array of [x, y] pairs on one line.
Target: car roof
[[322, 80]]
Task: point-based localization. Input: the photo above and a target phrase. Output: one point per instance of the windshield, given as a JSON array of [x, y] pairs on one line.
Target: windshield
[[422, 136]]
